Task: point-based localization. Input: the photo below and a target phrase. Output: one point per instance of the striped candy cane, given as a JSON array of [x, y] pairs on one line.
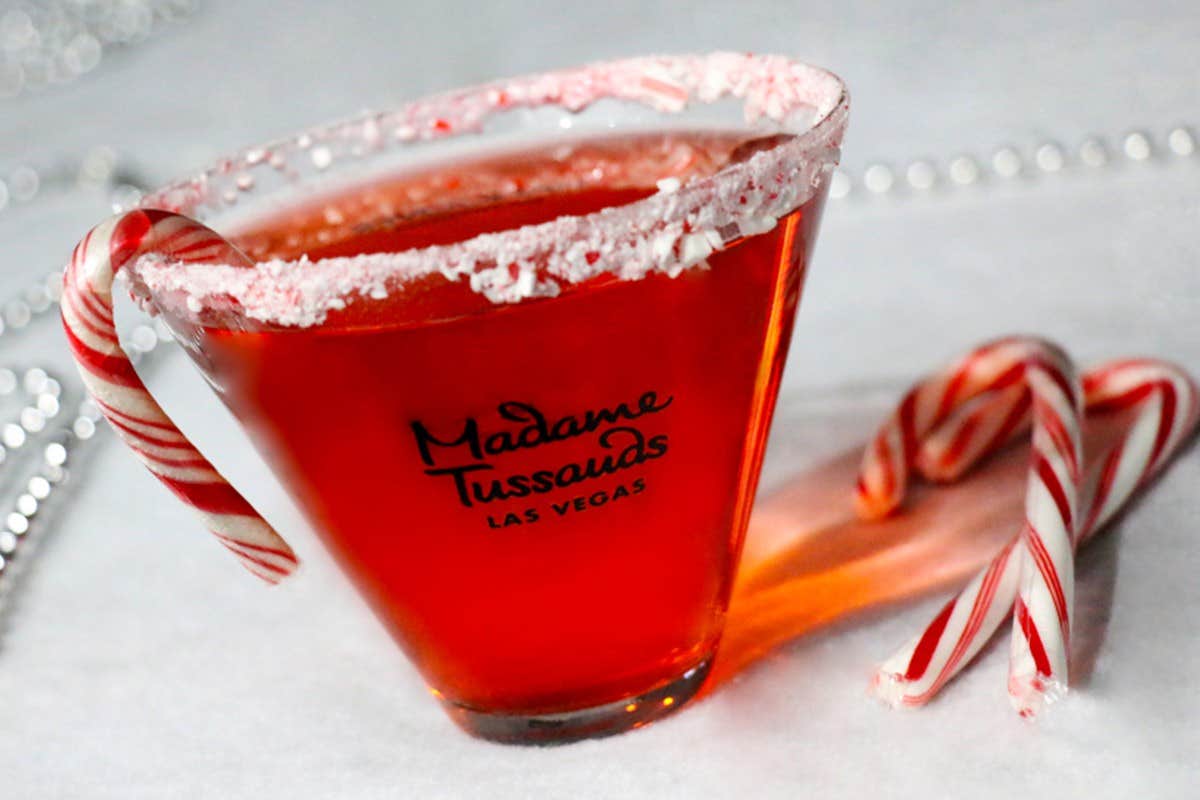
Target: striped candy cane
[[979, 428], [87, 313], [1046, 596], [1166, 406], [1164, 392], [883, 476], [1037, 566]]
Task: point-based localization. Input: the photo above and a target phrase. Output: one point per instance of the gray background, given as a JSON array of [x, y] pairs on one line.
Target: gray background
[[138, 661]]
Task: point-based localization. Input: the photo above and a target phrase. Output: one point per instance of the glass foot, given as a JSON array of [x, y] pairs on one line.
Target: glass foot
[[583, 723]]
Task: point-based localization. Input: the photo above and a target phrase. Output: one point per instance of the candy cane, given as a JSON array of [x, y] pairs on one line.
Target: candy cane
[[1046, 596], [883, 476], [87, 314], [1038, 566], [1168, 409], [963, 439], [982, 427], [1167, 406]]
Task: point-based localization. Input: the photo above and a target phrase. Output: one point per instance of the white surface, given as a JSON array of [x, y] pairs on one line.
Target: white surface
[[139, 661]]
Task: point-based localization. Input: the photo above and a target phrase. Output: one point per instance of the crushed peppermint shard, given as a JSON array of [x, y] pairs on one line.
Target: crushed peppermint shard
[[674, 229], [951, 420]]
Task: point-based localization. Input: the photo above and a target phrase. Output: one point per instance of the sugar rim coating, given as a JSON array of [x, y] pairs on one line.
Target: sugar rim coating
[[668, 232]]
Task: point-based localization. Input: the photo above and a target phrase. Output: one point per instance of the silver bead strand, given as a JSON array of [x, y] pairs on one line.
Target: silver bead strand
[[23, 514], [1093, 152], [34, 399], [58, 41], [1008, 163], [921, 175], [1137, 146], [1181, 141], [31, 400]]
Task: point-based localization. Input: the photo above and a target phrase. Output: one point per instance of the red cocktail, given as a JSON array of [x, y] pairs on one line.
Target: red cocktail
[[522, 388]]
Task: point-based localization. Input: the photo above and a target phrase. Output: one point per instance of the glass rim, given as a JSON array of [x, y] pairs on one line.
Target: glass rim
[[672, 230]]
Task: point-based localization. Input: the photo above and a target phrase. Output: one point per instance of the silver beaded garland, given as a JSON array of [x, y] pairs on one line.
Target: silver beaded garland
[[1008, 162], [964, 170], [921, 175], [40, 396], [1049, 157], [97, 169], [1182, 142], [39, 393], [1093, 152], [37, 487], [879, 178], [840, 184], [1137, 146], [57, 41]]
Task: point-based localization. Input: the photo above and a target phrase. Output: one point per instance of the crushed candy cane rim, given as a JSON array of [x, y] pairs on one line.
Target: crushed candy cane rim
[[668, 232]]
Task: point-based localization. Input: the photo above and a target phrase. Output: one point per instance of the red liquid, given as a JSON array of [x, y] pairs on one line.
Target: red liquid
[[599, 564]]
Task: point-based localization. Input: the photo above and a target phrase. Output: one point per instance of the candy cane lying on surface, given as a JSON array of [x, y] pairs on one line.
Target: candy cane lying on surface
[[87, 313], [1165, 404], [1113, 387], [1046, 592], [883, 476], [1038, 567], [977, 429]]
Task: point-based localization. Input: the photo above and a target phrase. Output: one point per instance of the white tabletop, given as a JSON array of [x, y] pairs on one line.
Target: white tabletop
[[138, 660]]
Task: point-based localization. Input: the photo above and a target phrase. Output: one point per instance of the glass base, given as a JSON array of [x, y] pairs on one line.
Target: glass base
[[583, 723]]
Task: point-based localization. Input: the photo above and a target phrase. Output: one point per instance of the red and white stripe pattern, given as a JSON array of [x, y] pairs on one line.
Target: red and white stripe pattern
[[978, 428], [1164, 394], [1039, 563], [1165, 406], [883, 476], [87, 313], [1046, 594]]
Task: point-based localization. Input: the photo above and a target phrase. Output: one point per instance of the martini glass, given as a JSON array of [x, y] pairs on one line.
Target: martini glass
[[513, 349]]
